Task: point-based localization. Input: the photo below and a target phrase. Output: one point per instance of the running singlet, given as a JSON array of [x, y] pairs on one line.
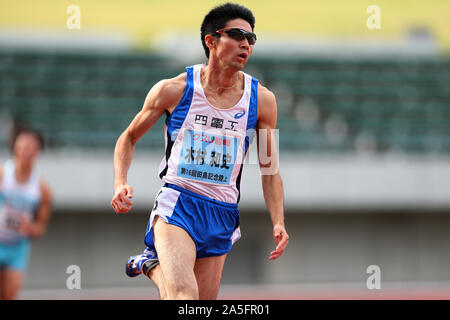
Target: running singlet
[[207, 146], [16, 199]]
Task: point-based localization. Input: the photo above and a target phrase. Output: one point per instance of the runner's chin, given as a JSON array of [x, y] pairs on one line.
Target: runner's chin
[[239, 63]]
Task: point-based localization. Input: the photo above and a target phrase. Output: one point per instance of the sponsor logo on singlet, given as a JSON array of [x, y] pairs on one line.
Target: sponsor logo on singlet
[[239, 115]]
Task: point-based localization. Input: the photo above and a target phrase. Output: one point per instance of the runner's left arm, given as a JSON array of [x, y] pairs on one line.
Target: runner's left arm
[[272, 183], [37, 227]]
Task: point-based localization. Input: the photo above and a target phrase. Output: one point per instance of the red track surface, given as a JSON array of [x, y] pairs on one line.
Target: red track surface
[[266, 292]]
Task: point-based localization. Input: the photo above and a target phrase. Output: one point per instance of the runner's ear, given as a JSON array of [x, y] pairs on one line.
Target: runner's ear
[[210, 41]]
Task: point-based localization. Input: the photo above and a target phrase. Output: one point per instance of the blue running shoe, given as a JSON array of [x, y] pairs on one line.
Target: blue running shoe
[[135, 264]]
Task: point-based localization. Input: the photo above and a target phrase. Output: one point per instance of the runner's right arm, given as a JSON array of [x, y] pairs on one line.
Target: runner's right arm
[[164, 96]]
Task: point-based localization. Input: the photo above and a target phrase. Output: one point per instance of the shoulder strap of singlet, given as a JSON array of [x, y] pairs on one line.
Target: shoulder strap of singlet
[[252, 120], [8, 174], [252, 115], [253, 105], [176, 119]]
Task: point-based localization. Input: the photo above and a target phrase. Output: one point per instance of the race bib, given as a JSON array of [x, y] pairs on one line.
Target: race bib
[[9, 218], [207, 157]]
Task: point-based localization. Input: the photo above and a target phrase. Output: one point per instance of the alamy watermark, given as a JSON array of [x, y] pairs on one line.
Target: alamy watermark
[[374, 20], [74, 20], [374, 280], [73, 281]]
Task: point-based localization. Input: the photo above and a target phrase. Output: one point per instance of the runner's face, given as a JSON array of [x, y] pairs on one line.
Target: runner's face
[[26, 149], [233, 52]]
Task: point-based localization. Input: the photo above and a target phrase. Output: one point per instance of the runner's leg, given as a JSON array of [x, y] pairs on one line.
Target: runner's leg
[[208, 272], [176, 253], [11, 281], [156, 276]]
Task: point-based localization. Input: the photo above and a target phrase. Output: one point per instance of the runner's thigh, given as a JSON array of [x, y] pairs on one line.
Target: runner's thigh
[[176, 252], [208, 272]]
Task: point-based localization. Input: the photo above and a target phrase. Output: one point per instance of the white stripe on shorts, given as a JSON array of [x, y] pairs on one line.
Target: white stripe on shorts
[[166, 200], [236, 235]]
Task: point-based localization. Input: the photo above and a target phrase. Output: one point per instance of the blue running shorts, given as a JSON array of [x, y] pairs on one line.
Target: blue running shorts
[[15, 256], [212, 224]]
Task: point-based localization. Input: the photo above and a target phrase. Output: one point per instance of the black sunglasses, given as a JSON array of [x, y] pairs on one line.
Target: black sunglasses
[[238, 34]]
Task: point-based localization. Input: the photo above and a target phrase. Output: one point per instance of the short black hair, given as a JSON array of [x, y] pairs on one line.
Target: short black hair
[[19, 129], [219, 16]]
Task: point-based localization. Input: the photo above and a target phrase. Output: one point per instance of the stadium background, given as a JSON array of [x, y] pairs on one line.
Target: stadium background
[[364, 128]]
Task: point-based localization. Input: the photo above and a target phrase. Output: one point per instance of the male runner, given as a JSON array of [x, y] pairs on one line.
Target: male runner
[[211, 111], [25, 205]]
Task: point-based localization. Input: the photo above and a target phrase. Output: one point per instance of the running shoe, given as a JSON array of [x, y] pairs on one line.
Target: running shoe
[[135, 264]]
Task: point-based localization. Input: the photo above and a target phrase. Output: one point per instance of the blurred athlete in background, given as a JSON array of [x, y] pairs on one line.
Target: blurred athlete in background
[[25, 205], [211, 113]]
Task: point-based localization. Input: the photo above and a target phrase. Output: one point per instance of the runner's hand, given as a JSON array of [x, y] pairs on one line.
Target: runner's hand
[[281, 239], [121, 201], [25, 226]]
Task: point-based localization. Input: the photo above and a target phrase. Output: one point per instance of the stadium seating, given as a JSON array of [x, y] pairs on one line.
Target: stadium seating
[[325, 104], [372, 105]]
